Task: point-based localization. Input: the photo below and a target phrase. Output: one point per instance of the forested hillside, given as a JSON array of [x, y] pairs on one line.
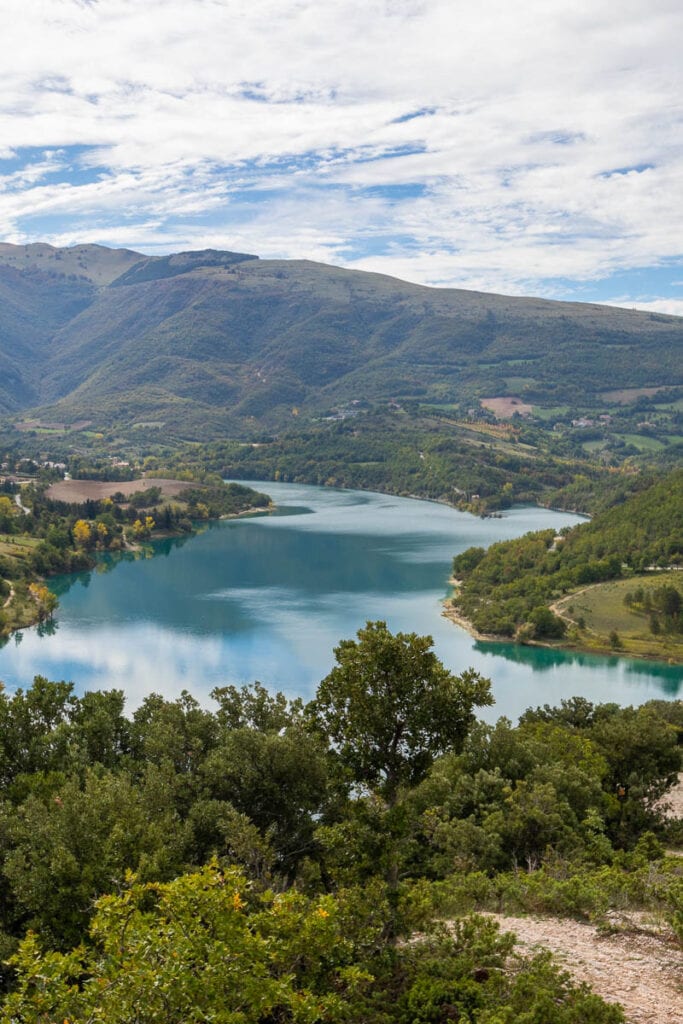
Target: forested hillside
[[265, 860], [207, 341], [509, 586]]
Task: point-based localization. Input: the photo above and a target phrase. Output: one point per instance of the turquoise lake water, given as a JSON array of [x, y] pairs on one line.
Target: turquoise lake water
[[269, 597]]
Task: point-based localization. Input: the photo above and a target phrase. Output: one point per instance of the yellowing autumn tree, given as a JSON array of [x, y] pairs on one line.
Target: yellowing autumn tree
[[45, 600], [82, 533], [8, 511], [142, 529]]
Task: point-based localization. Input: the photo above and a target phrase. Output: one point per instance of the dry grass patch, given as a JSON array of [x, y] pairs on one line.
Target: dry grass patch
[[505, 407], [77, 491]]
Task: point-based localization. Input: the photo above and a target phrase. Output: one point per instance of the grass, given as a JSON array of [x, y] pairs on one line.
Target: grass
[[603, 611], [594, 446], [553, 413], [642, 442], [624, 396], [17, 545]]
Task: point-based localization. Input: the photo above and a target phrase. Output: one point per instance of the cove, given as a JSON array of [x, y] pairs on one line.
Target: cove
[[268, 597]]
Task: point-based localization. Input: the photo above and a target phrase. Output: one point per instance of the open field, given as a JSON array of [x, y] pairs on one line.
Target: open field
[[594, 446], [41, 427], [624, 396], [75, 491], [642, 442], [602, 609], [17, 545], [504, 407], [554, 412]]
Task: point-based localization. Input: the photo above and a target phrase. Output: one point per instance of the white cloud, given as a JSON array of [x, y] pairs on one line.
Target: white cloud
[[183, 109], [674, 307]]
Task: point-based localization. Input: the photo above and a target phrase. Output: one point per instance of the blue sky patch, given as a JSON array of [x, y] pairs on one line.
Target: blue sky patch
[[644, 284], [414, 114]]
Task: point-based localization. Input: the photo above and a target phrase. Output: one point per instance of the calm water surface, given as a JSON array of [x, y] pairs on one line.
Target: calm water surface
[[269, 597]]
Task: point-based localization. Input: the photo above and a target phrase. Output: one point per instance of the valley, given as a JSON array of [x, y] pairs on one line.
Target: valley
[[132, 387]]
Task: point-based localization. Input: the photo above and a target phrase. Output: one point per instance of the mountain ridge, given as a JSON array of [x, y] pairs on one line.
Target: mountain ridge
[[229, 340]]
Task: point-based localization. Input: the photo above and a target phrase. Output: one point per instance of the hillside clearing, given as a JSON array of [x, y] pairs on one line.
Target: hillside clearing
[[76, 491], [504, 407], [599, 609], [623, 396]]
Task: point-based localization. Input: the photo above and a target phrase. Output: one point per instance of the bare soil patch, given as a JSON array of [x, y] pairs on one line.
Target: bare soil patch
[[673, 800], [643, 971], [505, 407], [75, 491]]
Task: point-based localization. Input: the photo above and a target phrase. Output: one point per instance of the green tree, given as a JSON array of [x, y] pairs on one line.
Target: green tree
[[389, 707], [65, 846], [278, 779], [200, 948]]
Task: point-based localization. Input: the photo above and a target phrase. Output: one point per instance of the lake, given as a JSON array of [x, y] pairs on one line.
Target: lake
[[268, 597]]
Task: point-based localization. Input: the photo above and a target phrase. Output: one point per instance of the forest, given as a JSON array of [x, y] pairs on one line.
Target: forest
[[267, 861], [400, 452]]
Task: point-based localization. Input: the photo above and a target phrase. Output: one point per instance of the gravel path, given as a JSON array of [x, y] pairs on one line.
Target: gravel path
[[641, 968], [642, 972]]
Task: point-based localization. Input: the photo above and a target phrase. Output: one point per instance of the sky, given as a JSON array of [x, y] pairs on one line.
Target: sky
[[528, 148]]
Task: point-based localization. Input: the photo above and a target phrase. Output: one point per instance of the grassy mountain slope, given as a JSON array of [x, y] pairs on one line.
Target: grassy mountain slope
[[211, 341], [33, 306], [94, 263]]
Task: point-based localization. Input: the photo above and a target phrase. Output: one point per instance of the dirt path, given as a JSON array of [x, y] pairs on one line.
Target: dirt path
[[21, 506], [556, 610], [643, 972], [641, 968]]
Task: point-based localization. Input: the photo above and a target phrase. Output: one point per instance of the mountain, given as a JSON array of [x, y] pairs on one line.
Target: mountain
[[201, 343]]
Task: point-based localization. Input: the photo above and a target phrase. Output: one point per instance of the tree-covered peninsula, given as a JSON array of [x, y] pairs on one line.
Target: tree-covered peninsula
[[265, 861], [530, 588]]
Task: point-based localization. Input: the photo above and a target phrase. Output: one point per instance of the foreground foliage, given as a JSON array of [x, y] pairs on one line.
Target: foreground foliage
[[269, 861]]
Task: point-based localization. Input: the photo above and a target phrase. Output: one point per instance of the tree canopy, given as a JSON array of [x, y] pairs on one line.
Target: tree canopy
[[389, 707]]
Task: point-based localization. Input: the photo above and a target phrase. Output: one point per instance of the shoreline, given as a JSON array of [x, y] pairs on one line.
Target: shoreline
[[448, 611], [495, 513], [134, 546]]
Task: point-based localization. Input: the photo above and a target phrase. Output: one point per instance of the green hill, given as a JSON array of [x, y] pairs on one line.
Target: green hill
[[205, 342], [507, 590]]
